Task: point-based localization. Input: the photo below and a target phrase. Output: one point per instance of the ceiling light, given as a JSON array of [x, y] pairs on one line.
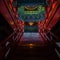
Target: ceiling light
[[31, 23]]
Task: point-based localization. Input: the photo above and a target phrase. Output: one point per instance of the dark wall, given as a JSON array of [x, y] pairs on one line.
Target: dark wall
[[56, 30], [5, 29]]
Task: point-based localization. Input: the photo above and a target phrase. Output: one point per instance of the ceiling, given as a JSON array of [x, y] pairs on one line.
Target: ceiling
[[31, 10], [31, 14], [41, 2]]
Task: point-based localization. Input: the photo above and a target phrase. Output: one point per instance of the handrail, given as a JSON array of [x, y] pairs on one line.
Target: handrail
[[6, 39], [5, 48], [55, 36], [1, 43], [43, 37], [54, 42]]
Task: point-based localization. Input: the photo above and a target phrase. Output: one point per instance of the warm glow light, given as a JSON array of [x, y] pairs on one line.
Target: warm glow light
[[31, 45], [31, 23]]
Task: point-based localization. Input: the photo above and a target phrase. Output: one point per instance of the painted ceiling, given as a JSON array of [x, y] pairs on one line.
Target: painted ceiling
[[31, 10], [31, 14]]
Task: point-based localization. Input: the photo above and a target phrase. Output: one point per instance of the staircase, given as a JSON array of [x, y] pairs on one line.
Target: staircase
[[37, 52], [30, 37]]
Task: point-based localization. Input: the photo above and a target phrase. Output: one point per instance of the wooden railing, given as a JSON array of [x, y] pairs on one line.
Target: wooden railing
[[11, 40], [51, 40]]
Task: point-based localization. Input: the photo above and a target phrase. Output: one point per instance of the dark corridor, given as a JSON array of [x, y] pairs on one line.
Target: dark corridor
[[29, 29]]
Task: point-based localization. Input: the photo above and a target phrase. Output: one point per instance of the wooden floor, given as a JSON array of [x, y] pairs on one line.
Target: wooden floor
[[33, 52]]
